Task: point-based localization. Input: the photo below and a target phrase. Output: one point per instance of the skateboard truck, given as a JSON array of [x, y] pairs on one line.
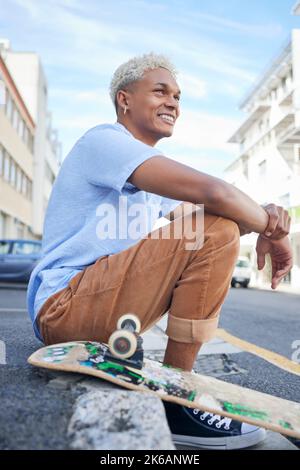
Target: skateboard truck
[[125, 345]]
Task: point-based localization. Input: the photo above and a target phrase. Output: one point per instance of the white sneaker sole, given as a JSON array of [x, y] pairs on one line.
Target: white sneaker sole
[[222, 443]]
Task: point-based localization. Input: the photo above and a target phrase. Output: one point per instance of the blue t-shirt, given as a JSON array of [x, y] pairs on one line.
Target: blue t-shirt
[[93, 211]]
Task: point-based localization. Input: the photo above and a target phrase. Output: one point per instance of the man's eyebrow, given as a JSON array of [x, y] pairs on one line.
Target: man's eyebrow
[[165, 85]]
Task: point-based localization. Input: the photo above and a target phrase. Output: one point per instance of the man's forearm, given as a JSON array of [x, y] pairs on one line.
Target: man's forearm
[[236, 205], [232, 204]]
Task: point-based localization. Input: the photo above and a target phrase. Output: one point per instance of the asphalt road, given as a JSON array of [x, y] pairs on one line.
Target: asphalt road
[[35, 415]]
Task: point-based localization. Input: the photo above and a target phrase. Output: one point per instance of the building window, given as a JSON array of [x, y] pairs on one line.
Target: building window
[[21, 128], [18, 122], [262, 168], [297, 260], [25, 135], [29, 190], [1, 160], [19, 179], [283, 83], [2, 226], [245, 167], [8, 105], [30, 141], [12, 173], [15, 118], [6, 167], [24, 184], [2, 92], [49, 173]]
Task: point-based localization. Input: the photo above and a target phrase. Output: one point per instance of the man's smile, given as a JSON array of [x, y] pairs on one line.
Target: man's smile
[[168, 118]]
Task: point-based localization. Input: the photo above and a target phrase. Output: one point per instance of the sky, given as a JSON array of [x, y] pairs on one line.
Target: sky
[[220, 49]]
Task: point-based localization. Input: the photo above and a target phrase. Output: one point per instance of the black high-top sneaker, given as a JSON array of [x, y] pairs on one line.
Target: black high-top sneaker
[[205, 430]]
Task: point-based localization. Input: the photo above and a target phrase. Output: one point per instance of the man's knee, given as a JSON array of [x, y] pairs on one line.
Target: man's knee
[[231, 228], [226, 233]]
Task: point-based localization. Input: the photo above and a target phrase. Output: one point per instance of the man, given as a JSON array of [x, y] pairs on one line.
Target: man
[[88, 278]]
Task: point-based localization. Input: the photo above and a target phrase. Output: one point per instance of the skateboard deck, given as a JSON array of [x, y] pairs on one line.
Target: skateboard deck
[[174, 385]]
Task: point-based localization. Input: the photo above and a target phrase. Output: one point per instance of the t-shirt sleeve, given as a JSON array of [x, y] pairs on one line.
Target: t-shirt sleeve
[[111, 155]]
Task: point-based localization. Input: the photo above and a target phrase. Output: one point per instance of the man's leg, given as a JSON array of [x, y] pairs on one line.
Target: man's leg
[[181, 355], [148, 279], [200, 293]]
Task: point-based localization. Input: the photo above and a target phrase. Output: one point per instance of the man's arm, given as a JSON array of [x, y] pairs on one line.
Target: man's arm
[[184, 208], [188, 207], [166, 177]]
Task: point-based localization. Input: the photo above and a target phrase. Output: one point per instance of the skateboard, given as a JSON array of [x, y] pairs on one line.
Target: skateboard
[[122, 362]]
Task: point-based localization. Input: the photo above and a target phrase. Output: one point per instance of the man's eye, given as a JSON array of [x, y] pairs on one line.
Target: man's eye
[[161, 91]]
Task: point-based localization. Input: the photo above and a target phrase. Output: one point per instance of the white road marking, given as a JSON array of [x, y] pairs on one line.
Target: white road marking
[[4, 309]]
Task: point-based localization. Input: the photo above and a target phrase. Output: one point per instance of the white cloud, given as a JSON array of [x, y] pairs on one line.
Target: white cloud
[[58, 15], [268, 30], [200, 130], [98, 96], [192, 86], [214, 23], [87, 41], [81, 122]]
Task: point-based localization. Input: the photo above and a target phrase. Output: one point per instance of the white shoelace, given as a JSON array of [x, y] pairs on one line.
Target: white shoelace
[[222, 420]]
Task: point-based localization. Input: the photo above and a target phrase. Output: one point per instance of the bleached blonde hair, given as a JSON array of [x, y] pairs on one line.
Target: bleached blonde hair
[[134, 69]]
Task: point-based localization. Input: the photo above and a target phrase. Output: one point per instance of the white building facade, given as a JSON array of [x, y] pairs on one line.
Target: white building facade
[[30, 80], [17, 131], [296, 8], [268, 163]]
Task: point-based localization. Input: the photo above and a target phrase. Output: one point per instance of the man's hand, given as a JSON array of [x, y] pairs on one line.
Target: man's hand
[[281, 257], [279, 222]]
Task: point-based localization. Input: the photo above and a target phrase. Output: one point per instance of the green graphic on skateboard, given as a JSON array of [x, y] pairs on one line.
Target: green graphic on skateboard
[[174, 385]]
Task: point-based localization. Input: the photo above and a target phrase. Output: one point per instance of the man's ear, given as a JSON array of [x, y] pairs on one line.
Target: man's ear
[[122, 98]]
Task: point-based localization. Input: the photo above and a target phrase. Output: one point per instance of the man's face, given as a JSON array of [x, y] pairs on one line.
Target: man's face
[[154, 105]]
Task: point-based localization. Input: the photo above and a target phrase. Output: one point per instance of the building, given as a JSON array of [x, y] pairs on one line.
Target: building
[[296, 9], [268, 163], [26, 70], [17, 132]]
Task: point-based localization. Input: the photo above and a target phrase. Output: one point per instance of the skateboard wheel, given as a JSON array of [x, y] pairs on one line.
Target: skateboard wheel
[[122, 344], [129, 318]]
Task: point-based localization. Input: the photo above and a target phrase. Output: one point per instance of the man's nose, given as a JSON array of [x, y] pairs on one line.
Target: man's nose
[[172, 102]]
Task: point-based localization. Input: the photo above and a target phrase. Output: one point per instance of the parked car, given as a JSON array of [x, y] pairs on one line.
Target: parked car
[[18, 258], [242, 272]]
